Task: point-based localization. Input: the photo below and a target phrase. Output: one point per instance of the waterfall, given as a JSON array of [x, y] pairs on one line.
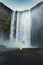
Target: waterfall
[[26, 28], [12, 26], [23, 30], [17, 32], [18, 29]]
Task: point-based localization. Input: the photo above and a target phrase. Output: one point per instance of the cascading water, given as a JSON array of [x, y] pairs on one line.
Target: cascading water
[[12, 26], [18, 30], [28, 28], [23, 28], [12, 43], [26, 18], [17, 27]]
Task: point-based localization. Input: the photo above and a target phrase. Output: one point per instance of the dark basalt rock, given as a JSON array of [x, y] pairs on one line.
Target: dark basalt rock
[[5, 19], [24, 57], [37, 6], [37, 25]]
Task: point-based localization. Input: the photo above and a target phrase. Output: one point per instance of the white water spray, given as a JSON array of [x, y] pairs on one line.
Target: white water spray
[[12, 26], [23, 31], [26, 22], [28, 29], [17, 28]]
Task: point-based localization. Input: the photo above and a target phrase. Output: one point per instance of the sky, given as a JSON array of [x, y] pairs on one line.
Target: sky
[[20, 4]]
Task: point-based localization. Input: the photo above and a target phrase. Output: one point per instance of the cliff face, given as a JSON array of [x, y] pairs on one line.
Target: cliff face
[[36, 18], [5, 19], [37, 25]]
